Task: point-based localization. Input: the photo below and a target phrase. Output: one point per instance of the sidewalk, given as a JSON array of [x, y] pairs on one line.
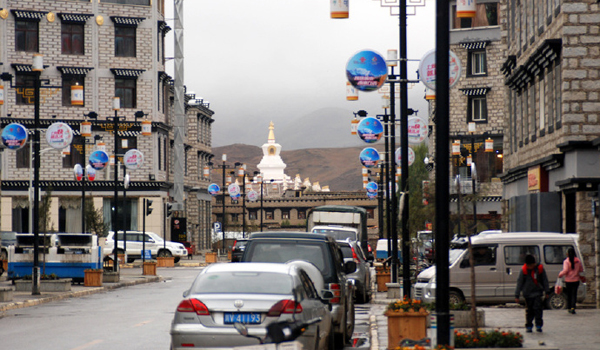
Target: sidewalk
[[130, 274], [561, 330]]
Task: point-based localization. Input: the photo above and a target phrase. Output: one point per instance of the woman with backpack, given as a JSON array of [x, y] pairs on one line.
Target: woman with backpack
[[572, 269], [533, 282]]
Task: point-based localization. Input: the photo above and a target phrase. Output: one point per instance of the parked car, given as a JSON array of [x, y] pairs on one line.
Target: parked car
[[154, 243], [343, 233], [238, 249], [498, 260], [325, 254], [352, 251], [224, 294]]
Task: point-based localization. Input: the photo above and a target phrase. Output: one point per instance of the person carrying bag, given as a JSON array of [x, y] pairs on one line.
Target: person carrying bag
[[571, 272]]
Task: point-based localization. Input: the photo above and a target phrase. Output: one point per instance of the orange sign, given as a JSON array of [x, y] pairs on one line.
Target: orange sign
[[537, 179]]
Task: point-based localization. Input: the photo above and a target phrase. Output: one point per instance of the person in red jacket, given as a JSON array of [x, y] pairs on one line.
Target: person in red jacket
[[572, 269], [533, 282]]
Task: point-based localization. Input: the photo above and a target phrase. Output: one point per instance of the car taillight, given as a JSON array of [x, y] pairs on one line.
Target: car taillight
[[354, 256], [193, 305], [284, 307], [337, 293]]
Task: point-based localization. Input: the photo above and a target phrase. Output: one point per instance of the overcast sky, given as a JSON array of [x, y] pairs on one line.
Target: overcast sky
[[278, 60]]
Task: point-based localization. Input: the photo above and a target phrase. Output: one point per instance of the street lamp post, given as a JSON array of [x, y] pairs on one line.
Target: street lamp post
[[84, 143], [242, 174], [115, 215], [37, 68]]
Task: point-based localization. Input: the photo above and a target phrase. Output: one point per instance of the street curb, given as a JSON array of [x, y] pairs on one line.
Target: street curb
[[51, 298], [374, 332]]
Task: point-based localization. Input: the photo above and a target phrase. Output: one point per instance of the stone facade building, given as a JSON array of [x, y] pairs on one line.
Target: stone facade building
[[110, 48], [551, 113]]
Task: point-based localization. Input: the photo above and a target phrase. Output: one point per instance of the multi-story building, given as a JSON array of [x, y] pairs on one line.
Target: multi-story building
[[476, 116], [110, 48], [552, 118]]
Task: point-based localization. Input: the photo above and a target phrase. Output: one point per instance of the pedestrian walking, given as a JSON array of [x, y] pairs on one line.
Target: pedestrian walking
[[533, 283], [572, 269]]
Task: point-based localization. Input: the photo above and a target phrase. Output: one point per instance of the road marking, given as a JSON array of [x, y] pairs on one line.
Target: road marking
[[85, 346], [142, 323]]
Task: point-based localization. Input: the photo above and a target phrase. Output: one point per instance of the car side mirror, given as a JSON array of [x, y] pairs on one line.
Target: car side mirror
[[350, 267]]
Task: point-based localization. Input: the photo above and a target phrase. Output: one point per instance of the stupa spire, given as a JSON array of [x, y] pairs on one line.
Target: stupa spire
[[271, 133]]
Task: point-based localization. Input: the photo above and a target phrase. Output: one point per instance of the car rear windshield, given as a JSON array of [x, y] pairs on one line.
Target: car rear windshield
[[281, 252], [346, 251], [338, 235], [243, 282]]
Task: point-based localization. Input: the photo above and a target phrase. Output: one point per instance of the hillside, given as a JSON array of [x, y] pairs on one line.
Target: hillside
[[338, 168]]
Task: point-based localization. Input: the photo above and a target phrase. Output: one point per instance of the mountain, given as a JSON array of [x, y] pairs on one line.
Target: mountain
[[338, 168]]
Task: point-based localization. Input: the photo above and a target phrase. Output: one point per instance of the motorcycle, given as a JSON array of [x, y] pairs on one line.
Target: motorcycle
[[278, 332]]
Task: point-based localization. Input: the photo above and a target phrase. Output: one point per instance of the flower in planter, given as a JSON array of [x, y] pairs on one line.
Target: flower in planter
[[407, 304], [488, 339]]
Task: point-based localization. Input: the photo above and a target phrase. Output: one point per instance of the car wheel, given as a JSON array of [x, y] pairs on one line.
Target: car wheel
[[361, 297], [455, 297], [164, 253], [340, 338], [176, 260], [130, 260], [556, 302], [331, 340]]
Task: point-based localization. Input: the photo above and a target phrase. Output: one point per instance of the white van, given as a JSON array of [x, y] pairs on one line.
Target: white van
[[498, 260]]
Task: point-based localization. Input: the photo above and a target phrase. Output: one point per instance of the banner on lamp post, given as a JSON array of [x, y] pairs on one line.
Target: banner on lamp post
[[133, 159], [427, 70], [417, 130], [370, 130], [14, 136], [411, 156], [59, 135], [98, 160], [369, 157], [214, 189], [366, 70]]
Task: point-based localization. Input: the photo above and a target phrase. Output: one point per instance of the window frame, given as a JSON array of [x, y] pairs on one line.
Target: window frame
[[125, 41], [67, 33], [472, 63], [27, 39], [472, 108], [121, 88]]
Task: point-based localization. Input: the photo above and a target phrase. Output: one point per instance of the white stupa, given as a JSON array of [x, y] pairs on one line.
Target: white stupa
[[271, 165]]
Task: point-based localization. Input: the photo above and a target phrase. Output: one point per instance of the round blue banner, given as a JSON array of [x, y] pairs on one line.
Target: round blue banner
[[369, 157], [98, 160], [214, 189], [370, 130], [372, 195], [372, 187], [14, 136], [366, 70]]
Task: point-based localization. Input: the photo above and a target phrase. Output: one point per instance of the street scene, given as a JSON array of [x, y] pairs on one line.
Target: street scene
[[276, 175]]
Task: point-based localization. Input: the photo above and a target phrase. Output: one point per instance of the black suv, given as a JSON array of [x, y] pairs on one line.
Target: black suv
[[325, 254], [238, 249]]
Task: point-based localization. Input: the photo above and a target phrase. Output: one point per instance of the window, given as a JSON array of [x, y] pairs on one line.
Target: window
[[127, 143], [525, 116], [67, 82], [23, 159], [485, 15], [557, 94], [542, 104], [532, 111], [482, 256], [219, 200], [125, 41], [477, 109], [285, 214], [25, 89], [235, 217], [125, 89], [72, 36], [26, 36], [301, 214], [269, 215], [159, 154], [252, 214], [477, 63], [515, 255], [370, 213], [129, 2], [555, 254]]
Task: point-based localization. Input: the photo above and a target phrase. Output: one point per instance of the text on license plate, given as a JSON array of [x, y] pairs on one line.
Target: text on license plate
[[242, 317]]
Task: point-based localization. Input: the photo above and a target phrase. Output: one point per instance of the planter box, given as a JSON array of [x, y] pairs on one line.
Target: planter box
[[165, 261], [6, 294], [382, 278], [407, 324], [110, 277], [211, 258], [229, 255], [462, 318], [149, 269], [60, 285], [92, 278]]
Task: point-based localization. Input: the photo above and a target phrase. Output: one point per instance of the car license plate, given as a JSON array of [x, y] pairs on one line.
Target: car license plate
[[242, 317]]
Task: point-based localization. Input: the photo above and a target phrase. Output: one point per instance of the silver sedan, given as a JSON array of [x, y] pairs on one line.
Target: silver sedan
[[254, 294]]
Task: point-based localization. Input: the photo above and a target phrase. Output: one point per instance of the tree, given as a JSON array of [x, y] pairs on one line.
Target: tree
[[419, 213], [94, 221]]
